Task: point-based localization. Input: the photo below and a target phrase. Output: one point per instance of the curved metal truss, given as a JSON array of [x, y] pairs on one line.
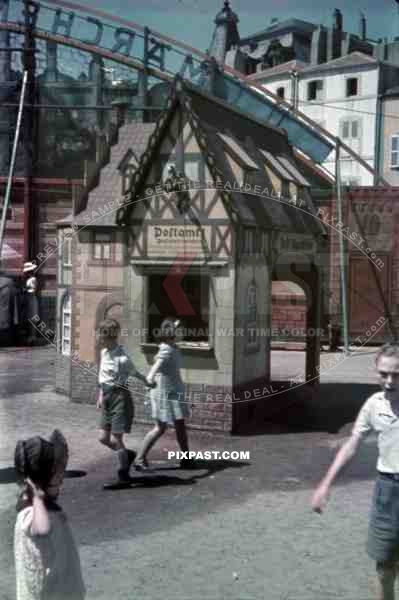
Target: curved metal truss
[[86, 62]]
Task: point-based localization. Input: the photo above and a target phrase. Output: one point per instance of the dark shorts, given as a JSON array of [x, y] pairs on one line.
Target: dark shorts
[[117, 411], [383, 535]]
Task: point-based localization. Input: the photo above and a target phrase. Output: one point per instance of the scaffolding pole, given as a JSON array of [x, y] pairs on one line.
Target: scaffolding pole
[[12, 163], [342, 258]]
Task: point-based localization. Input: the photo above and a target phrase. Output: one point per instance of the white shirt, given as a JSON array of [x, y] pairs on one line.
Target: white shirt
[[376, 415], [47, 566], [116, 366], [32, 285]]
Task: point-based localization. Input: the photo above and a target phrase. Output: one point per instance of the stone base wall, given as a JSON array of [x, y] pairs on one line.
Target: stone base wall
[[210, 406]]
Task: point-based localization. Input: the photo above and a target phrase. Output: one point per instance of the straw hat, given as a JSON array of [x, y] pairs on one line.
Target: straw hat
[[29, 266]]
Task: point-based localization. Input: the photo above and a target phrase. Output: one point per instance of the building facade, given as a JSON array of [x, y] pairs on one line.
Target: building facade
[[344, 97], [336, 78]]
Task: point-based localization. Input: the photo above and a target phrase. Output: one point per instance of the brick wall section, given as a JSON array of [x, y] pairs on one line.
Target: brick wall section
[[289, 316], [382, 202], [210, 406]]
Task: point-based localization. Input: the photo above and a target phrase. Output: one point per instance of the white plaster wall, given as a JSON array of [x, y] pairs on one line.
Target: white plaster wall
[[334, 107], [390, 109]]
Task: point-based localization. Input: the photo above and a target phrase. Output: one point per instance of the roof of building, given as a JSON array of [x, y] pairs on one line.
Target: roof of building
[[291, 24], [393, 91], [222, 131], [132, 136], [288, 67], [354, 59]]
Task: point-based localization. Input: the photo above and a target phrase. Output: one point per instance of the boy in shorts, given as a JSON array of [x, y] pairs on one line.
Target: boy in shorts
[[380, 413], [114, 400]]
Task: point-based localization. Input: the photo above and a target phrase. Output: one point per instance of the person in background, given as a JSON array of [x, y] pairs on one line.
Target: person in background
[[47, 562], [31, 299]]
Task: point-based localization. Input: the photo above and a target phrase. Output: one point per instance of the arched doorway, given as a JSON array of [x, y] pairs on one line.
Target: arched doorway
[[296, 279]]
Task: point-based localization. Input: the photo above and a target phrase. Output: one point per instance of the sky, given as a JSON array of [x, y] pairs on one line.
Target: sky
[[191, 21]]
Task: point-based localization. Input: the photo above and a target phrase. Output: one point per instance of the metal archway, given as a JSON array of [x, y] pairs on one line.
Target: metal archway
[[152, 56]]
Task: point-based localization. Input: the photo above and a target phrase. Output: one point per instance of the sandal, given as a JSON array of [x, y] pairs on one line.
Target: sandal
[[141, 465]]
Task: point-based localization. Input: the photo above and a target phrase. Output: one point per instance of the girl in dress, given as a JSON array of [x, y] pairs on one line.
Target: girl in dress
[[46, 558], [167, 398]]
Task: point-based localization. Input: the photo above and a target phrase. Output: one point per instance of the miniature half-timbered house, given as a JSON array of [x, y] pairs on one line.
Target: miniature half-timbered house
[[193, 218]]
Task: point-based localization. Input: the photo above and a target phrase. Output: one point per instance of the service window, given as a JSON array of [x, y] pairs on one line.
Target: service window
[[191, 296]]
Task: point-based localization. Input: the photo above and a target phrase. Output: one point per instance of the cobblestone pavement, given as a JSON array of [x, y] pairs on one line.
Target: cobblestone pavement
[[242, 531]]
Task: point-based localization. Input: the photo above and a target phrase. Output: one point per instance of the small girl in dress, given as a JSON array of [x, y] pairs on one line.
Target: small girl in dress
[[167, 398], [46, 558]]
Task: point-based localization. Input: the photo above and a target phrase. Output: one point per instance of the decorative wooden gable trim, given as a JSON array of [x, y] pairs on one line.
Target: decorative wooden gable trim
[[177, 96], [209, 156], [123, 214]]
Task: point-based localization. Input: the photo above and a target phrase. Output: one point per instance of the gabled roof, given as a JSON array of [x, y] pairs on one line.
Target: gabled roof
[[354, 59], [132, 138], [210, 120]]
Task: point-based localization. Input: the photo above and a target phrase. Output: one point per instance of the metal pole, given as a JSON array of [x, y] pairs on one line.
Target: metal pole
[[12, 163], [344, 287]]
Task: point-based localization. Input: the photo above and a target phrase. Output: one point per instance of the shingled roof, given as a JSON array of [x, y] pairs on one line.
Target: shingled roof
[[214, 123], [134, 137]]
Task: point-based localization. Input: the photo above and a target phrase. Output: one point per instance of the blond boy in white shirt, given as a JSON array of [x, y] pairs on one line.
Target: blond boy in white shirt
[[380, 414]]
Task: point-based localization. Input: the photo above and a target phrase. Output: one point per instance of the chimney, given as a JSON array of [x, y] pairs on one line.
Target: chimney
[[337, 20], [334, 36], [362, 27]]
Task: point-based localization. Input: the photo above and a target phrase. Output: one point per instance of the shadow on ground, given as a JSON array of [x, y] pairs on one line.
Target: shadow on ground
[[8, 475], [303, 408], [156, 477]]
